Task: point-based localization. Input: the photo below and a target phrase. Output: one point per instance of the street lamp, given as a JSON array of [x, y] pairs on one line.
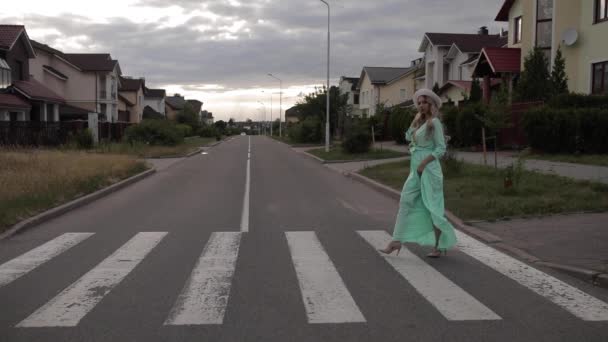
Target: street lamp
[[327, 95], [280, 104]]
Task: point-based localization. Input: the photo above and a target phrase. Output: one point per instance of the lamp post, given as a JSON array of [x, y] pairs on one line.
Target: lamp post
[[327, 95], [280, 104]]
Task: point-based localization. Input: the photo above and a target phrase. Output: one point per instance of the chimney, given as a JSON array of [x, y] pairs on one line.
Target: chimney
[[483, 31]]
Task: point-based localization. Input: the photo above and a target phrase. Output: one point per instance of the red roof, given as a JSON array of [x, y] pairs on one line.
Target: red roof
[[466, 85], [13, 101], [37, 91], [503, 14], [9, 34], [503, 59]]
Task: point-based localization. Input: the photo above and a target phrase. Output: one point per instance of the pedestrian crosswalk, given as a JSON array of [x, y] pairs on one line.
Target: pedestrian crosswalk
[[326, 298]]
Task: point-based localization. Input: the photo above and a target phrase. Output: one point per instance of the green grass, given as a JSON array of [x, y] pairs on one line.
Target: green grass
[[33, 181], [148, 151], [587, 159], [475, 192], [336, 153]]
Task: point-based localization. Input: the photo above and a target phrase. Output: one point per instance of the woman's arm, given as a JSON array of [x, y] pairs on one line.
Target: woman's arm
[[440, 147]]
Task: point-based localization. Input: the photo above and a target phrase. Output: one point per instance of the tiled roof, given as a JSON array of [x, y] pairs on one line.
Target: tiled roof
[[9, 34], [383, 75], [175, 102], [471, 59], [66, 109], [196, 105], [466, 85], [13, 101], [45, 47], [503, 14], [131, 84], [55, 71], [149, 111], [503, 59], [92, 61], [155, 92], [37, 91], [467, 42]]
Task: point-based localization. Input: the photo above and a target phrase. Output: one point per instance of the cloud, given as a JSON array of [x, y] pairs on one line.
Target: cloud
[[234, 44]]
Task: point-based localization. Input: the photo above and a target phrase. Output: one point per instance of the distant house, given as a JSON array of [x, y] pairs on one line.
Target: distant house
[[451, 57], [578, 26], [23, 98], [173, 105], [155, 99], [197, 107], [292, 115], [132, 89], [88, 82], [384, 86], [207, 117], [348, 85]]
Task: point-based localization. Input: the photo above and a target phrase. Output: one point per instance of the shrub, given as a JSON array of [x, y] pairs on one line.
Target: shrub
[[208, 131], [84, 139], [399, 121], [579, 101], [358, 139], [185, 130], [154, 132], [307, 131]]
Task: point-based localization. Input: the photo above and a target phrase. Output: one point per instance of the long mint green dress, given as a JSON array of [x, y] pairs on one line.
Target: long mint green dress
[[421, 206]]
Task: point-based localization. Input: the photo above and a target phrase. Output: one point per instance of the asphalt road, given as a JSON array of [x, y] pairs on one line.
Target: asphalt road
[[189, 254]]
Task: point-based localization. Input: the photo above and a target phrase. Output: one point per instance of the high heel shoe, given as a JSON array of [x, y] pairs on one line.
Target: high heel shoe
[[393, 246], [436, 253]]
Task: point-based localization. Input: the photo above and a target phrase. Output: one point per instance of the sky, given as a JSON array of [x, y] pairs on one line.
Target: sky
[[221, 51]]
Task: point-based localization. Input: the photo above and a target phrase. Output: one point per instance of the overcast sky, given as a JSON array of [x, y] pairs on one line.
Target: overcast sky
[[220, 51]]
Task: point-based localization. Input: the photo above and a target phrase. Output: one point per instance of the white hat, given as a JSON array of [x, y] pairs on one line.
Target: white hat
[[429, 94]]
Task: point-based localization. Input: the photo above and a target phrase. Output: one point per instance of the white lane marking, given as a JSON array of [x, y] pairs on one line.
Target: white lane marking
[[575, 301], [454, 303], [73, 303], [324, 294], [13, 269], [205, 295], [245, 213]]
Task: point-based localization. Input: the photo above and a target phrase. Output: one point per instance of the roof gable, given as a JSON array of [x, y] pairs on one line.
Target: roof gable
[[503, 14], [10, 34], [466, 42], [92, 61], [383, 75], [131, 84], [56, 53]]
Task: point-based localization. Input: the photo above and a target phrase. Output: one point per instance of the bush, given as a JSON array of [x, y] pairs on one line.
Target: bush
[[567, 130], [307, 131], [358, 139], [579, 101], [185, 130], [208, 132], [399, 121], [155, 132], [84, 139], [462, 124]]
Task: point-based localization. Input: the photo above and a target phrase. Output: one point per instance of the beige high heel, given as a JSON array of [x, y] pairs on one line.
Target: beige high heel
[[393, 246]]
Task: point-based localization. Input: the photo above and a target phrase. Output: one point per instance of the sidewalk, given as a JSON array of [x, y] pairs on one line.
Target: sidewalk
[[576, 171], [575, 244]]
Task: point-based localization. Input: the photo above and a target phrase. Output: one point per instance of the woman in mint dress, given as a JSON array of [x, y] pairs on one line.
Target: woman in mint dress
[[421, 210]]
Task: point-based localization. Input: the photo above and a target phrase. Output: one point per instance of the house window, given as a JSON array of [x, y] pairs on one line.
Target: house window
[[517, 29], [601, 11], [5, 74], [402, 91], [460, 73], [544, 26], [102, 86], [600, 78], [102, 108], [446, 73], [356, 99]]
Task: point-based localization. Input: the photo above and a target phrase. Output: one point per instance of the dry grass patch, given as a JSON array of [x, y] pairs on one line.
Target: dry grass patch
[[35, 180]]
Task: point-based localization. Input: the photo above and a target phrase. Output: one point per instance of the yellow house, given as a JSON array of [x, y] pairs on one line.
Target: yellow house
[[386, 86], [579, 27]]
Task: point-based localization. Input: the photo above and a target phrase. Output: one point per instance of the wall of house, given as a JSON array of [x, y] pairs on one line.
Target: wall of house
[[390, 94], [434, 65], [518, 10], [158, 104], [455, 68], [170, 112], [453, 93], [18, 56], [58, 85], [366, 103], [137, 111], [590, 48]]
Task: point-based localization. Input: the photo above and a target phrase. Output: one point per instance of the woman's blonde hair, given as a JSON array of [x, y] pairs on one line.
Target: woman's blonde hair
[[429, 122]]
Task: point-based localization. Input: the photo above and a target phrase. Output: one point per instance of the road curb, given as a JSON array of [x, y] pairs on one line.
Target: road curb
[[74, 204], [596, 278]]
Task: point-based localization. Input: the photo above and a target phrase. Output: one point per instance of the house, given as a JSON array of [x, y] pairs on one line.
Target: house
[[88, 82], [173, 105], [291, 114], [348, 86], [23, 98], [197, 107], [155, 100], [577, 26], [131, 91], [386, 86], [207, 117]]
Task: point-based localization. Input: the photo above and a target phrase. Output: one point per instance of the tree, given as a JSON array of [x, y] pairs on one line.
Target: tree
[[493, 118], [188, 116], [436, 88], [314, 105], [231, 122], [559, 80], [476, 92], [534, 83], [220, 125]]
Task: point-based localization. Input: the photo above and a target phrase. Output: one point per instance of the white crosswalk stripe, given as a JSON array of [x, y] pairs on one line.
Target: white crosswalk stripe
[[73, 303], [324, 294], [454, 303], [575, 301], [205, 296], [13, 269]]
